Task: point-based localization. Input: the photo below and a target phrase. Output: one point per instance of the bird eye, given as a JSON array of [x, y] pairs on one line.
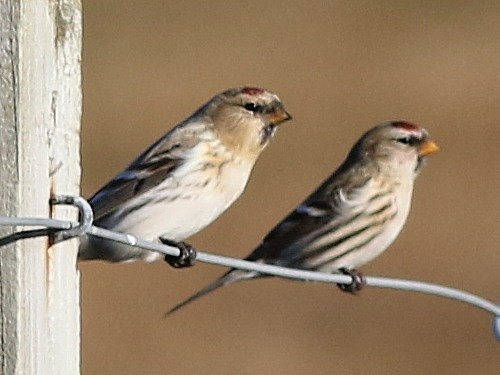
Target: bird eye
[[403, 140], [412, 141], [252, 107]]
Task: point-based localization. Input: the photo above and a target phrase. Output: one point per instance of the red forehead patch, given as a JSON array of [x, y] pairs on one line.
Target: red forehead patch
[[405, 125], [252, 90]]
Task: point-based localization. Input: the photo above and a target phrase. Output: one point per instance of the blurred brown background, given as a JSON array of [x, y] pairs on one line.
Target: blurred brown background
[[340, 67]]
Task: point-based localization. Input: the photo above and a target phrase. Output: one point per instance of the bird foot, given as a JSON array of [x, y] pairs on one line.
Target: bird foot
[[187, 255], [358, 281]]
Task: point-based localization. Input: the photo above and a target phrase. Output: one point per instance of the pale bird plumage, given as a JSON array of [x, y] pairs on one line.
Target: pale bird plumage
[[187, 178], [354, 215]]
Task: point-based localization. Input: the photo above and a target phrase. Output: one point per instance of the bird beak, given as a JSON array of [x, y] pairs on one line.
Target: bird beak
[[279, 116], [428, 147]]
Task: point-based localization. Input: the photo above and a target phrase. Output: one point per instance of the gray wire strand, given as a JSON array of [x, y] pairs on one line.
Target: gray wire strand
[[289, 273], [86, 216]]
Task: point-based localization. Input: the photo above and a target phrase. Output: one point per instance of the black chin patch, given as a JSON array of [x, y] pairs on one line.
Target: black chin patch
[[420, 163], [268, 133]]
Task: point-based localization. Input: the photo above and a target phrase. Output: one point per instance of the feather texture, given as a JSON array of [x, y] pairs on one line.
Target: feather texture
[[354, 215], [188, 177]]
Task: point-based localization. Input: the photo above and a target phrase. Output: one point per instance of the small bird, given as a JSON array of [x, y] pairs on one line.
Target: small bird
[[353, 216], [187, 178]]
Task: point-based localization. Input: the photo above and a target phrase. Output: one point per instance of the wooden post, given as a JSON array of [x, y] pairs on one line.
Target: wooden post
[[40, 110]]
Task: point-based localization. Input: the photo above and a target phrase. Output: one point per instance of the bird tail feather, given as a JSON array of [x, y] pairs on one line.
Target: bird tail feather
[[230, 277]]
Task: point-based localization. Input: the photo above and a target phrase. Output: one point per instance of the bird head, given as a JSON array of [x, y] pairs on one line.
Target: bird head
[[246, 118], [396, 148]]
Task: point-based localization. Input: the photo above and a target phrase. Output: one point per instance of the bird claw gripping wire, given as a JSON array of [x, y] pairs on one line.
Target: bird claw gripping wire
[[86, 216], [186, 257], [357, 283]]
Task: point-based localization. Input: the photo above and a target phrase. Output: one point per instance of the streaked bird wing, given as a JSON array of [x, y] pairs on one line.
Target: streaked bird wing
[[128, 185], [329, 203], [155, 165]]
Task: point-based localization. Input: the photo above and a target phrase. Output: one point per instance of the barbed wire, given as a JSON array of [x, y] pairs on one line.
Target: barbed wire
[[63, 230]]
